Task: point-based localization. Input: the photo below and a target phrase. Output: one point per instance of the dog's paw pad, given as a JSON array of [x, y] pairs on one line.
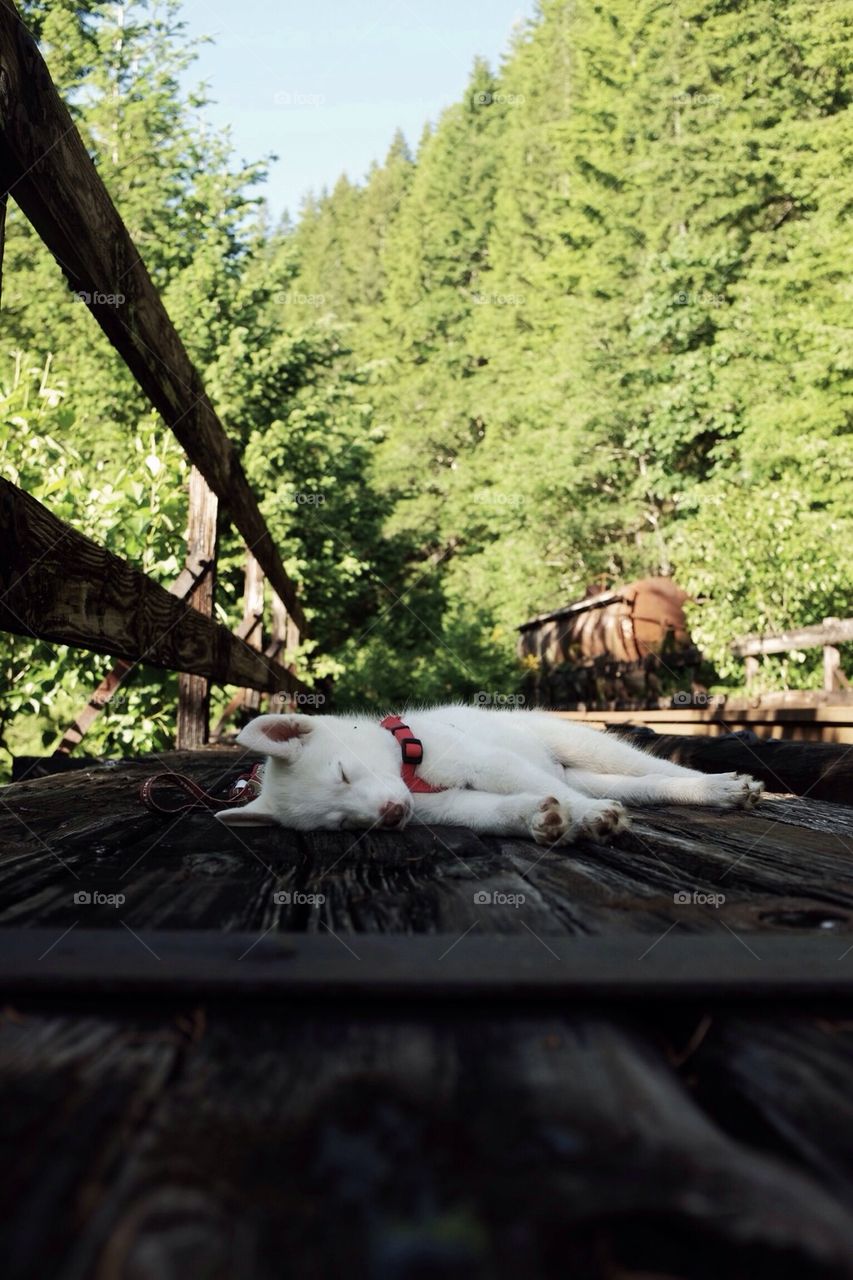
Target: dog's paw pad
[[750, 791], [736, 791], [550, 823], [603, 820]]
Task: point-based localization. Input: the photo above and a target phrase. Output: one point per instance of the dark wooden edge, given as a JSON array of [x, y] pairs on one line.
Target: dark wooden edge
[[317, 966], [57, 585], [44, 164]]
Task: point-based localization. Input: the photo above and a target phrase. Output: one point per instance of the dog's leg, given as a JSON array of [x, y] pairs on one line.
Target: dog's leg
[[555, 815], [724, 790], [506, 773], [582, 749]]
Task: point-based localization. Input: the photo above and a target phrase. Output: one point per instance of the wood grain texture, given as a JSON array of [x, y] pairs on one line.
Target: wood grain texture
[[785, 868], [45, 166], [536, 1145], [146, 1136], [60, 586]]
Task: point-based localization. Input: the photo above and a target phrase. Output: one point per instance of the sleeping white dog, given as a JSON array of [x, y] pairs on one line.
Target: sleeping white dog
[[513, 773]]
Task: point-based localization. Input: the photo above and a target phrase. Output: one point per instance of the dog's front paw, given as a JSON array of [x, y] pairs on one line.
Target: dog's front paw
[[551, 822], [735, 791], [602, 819]]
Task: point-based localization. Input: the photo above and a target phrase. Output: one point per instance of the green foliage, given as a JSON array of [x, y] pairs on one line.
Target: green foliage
[[134, 504], [612, 334]]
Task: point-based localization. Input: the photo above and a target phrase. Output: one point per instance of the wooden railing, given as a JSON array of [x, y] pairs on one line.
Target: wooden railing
[[57, 585], [826, 635]]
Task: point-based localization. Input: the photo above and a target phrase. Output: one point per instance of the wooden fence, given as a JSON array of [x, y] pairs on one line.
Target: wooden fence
[[826, 635], [56, 584]]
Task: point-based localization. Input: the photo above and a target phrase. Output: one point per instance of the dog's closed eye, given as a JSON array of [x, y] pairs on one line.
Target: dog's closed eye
[[344, 777]]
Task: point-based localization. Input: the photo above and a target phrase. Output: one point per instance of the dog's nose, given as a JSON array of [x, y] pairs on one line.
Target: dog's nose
[[392, 814]]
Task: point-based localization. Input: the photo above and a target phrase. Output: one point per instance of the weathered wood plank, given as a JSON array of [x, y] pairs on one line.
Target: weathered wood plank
[[60, 586], [829, 632], [787, 1078], [192, 725], [45, 166], [74, 1092], [187, 582], [441, 1146], [762, 871], [715, 968]]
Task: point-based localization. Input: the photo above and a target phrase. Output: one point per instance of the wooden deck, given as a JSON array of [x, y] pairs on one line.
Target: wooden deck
[[582, 1077]]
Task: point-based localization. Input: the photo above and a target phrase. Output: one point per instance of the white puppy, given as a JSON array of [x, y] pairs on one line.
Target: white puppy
[[515, 773]]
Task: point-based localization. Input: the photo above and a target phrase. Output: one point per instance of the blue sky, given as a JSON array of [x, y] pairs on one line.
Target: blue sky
[[324, 83]]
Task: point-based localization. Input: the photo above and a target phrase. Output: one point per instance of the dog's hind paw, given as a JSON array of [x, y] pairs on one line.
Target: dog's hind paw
[[735, 791], [550, 823], [602, 819]]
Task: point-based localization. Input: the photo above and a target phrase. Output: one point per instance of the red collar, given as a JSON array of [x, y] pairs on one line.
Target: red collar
[[413, 753]]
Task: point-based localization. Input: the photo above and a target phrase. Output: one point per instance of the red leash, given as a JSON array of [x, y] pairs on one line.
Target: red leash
[[248, 785], [412, 750], [246, 788]]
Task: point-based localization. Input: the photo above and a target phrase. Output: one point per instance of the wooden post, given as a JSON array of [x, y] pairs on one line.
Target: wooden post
[[833, 677], [253, 612], [3, 202], [193, 690], [751, 665], [285, 632], [284, 639]]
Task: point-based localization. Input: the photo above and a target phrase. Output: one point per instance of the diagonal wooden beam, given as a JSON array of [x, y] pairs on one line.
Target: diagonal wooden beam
[[57, 585], [45, 166]]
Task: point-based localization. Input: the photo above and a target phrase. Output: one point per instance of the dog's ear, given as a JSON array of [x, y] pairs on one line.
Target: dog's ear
[[279, 736], [247, 815]]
